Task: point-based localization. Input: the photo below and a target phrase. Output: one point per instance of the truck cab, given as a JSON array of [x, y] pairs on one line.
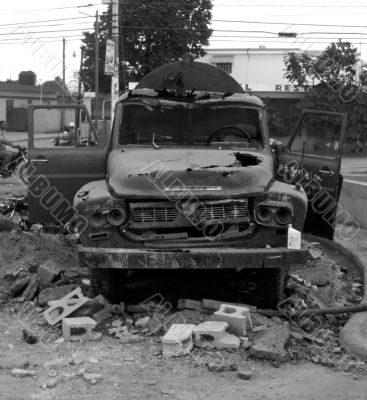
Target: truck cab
[[190, 180]]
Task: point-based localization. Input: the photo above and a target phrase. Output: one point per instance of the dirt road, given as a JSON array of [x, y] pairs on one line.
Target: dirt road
[[139, 372]]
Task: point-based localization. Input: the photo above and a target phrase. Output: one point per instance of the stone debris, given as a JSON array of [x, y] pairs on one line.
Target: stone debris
[[30, 292], [54, 293], [102, 315], [271, 344], [114, 331], [238, 318], [244, 374], [142, 322], [51, 383], [178, 340], [22, 373], [55, 364], [18, 287], [92, 378], [189, 304], [212, 334], [102, 300], [47, 273], [259, 328], [117, 323]]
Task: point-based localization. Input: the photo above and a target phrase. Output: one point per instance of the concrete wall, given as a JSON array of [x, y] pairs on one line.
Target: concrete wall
[[50, 121], [2, 109], [260, 69], [353, 199]]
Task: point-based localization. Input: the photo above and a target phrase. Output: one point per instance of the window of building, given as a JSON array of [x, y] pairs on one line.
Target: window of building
[[29, 101], [226, 67]]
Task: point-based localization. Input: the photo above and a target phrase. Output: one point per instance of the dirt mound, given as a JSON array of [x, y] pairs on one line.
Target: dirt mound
[[21, 253]]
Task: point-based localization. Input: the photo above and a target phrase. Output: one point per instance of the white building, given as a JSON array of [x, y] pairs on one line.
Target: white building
[[259, 70]]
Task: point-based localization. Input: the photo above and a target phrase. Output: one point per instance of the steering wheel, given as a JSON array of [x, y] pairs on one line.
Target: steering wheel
[[230, 128]]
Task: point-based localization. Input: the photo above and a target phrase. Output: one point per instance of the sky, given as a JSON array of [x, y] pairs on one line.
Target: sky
[[31, 33]]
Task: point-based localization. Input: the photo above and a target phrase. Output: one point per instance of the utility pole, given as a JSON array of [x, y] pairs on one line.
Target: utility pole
[[96, 45], [63, 61], [80, 75], [115, 90]]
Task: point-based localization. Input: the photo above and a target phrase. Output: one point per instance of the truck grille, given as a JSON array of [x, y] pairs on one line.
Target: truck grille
[[165, 214], [223, 211], [154, 214]]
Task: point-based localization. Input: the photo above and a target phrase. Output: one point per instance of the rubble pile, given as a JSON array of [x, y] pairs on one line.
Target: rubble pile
[[40, 274]]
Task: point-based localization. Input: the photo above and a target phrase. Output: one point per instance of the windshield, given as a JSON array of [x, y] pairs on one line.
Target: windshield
[[174, 123]]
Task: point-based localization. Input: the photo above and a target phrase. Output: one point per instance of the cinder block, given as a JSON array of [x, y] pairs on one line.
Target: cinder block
[[238, 318], [65, 306], [212, 334], [178, 340], [80, 328]]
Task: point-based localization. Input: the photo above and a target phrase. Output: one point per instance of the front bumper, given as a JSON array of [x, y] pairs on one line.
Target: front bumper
[[197, 258]]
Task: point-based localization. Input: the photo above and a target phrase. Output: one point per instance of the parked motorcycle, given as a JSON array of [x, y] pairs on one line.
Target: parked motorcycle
[[18, 157], [16, 209]]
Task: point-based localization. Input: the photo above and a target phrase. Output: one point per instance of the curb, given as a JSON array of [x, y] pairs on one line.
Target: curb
[[354, 334]]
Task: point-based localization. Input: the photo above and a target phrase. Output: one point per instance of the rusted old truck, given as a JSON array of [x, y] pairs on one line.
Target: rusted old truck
[[189, 180]]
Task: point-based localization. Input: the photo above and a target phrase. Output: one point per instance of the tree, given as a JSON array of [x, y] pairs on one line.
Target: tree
[[332, 70], [151, 33], [337, 62]]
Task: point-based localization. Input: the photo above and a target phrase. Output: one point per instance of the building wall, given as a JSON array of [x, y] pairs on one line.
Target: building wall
[[255, 69], [52, 121]]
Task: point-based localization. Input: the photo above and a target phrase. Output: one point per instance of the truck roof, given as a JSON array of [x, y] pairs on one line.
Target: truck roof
[[187, 75], [198, 98]]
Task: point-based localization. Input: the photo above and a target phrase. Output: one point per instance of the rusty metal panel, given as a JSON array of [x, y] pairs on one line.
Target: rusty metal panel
[[227, 258]]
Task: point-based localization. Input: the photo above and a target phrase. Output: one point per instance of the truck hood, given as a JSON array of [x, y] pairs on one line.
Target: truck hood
[[145, 172]]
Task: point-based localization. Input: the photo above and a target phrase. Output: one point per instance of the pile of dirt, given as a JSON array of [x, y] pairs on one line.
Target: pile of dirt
[[21, 254]]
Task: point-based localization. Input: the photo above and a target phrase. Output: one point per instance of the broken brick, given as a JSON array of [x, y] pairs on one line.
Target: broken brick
[[212, 334], [238, 318], [178, 340]]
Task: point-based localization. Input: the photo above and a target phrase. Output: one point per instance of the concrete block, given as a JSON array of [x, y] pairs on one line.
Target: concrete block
[[238, 318], [178, 340], [80, 328], [212, 334], [64, 307]]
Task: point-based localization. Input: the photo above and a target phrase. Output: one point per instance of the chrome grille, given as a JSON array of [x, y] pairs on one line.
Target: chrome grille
[[162, 214], [223, 211], [154, 214]]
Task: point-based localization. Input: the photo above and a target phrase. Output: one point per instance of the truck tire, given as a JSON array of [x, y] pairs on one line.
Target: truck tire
[[261, 287], [109, 282]]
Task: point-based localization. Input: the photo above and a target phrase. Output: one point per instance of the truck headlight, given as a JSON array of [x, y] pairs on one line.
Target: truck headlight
[[273, 213], [117, 216], [98, 218]]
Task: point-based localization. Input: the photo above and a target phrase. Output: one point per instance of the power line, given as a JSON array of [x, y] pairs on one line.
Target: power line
[[290, 5], [46, 20], [46, 9], [287, 23]]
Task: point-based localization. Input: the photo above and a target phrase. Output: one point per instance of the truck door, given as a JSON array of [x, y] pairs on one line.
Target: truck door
[[312, 158], [63, 155]]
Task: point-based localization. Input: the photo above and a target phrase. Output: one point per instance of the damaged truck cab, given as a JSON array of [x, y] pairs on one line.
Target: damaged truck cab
[[190, 181]]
